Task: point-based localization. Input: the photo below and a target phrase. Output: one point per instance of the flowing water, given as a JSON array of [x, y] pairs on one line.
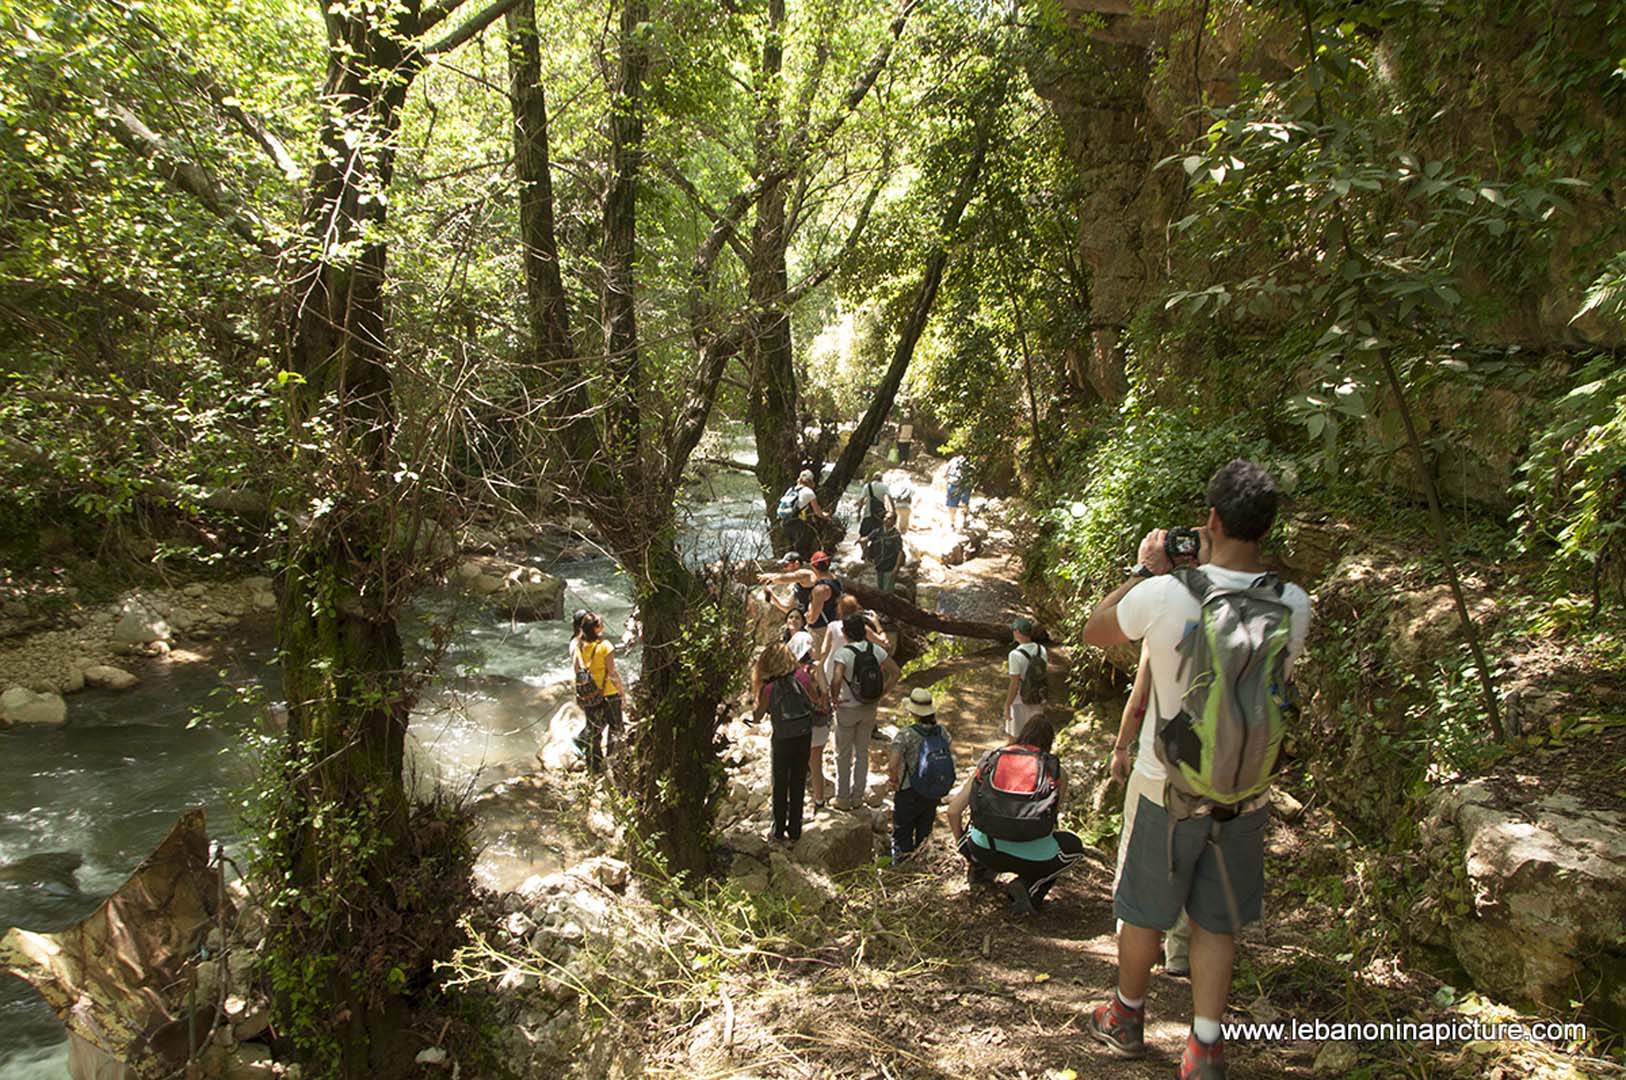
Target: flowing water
[[109, 785]]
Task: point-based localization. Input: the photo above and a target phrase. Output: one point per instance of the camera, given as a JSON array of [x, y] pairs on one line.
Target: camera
[[1181, 545]]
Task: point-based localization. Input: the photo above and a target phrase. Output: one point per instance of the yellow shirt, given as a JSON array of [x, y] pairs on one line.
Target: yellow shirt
[[594, 656]]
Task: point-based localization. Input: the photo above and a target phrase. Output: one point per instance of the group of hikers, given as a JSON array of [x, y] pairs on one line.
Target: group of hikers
[[1196, 745]]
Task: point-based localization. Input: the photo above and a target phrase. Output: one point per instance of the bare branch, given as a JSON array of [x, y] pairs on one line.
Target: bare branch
[[190, 178], [471, 29]]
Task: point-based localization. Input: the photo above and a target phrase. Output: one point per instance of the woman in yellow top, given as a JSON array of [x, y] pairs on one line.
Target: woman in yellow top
[[591, 653]]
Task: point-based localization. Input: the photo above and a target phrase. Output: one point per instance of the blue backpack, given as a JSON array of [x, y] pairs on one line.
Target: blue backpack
[[932, 775], [790, 504]]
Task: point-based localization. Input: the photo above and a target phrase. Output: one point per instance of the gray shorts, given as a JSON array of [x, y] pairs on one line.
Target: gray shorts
[[1158, 881]]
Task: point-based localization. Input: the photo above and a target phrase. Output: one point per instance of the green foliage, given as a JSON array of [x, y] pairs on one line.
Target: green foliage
[[1574, 485], [1150, 470]]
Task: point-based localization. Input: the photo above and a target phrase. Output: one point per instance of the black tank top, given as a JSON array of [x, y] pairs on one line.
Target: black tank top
[[803, 595], [829, 614]]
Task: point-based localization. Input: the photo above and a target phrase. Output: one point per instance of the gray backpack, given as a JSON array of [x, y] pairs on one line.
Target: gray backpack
[[1221, 747]]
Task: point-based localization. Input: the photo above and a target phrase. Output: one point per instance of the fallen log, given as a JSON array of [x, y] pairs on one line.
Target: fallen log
[[895, 607]]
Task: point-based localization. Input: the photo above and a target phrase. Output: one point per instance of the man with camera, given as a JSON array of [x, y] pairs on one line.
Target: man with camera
[[1203, 603]]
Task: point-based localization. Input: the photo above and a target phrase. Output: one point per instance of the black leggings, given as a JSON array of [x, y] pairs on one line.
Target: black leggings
[[604, 723], [790, 783], [1037, 876]]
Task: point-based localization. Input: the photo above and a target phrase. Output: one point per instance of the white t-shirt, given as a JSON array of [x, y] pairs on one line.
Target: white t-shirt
[[1160, 611], [804, 497], [844, 657], [834, 638], [800, 644], [902, 492], [1022, 656]]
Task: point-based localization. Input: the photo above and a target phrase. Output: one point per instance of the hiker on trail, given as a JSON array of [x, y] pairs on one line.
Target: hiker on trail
[[823, 717], [821, 601], [920, 771], [1013, 822], [837, 637], [1196, 836], [886, 552], [797, 505], [598, 691], [788, 692], [863, 674], [795, 635], [903, 499], [906, 440], [958, 500], [1029, 686], [874, 503], [800, 578], [1177, 942]]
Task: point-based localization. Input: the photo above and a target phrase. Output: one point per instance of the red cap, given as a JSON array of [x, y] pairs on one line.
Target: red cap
[[820, 558]]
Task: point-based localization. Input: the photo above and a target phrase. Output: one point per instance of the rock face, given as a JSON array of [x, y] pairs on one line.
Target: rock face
[[22, 706], [1546, 882], [837, 842]]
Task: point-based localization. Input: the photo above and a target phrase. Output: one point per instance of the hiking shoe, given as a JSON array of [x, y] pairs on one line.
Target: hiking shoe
[[976, 875], [1018, 892], [1202, 1061], [1121, 1028]]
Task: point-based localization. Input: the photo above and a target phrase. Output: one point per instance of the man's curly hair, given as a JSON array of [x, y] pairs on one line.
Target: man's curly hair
[[1245, 495]]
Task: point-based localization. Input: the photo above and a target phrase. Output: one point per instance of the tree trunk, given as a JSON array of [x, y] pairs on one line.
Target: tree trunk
[[547, 372], [622, 394], [852, 456]]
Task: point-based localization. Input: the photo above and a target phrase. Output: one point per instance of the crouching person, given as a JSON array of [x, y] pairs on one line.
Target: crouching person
[[1013, 797]]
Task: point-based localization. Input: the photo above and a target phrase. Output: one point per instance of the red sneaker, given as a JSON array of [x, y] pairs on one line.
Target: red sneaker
[[1202, 1061], [1121, 1028]]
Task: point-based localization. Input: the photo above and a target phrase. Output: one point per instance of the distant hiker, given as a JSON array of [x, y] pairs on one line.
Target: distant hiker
[[863, 675], [958, 501], [886, 552], [920, 772], [906, 441], [797, 505], [821, 601], [903, 498], [1220, 639], [598, 691], [788, 692], [1029, 687], [874, 502], [1014, 796]]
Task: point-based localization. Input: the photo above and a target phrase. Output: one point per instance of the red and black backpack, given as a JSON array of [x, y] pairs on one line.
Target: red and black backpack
[[1015, 793]]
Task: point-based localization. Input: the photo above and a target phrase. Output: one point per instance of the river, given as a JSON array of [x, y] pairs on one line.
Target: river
[[110, 783]]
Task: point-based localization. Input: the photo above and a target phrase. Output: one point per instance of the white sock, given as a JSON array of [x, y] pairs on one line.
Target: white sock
[[1130, 1003], [1206, 1030]]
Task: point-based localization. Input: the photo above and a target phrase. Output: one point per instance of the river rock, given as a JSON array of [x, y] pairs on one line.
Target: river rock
[[47, 868], [264, 599], [109, 678], [539, 596], [1546, 881], [19, 705], [836, 843], [138, 625]]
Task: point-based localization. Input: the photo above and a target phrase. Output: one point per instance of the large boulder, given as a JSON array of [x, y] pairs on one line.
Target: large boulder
[[19, 705], [1544, 910], [837, 843], [140, 624], [532, 598]]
